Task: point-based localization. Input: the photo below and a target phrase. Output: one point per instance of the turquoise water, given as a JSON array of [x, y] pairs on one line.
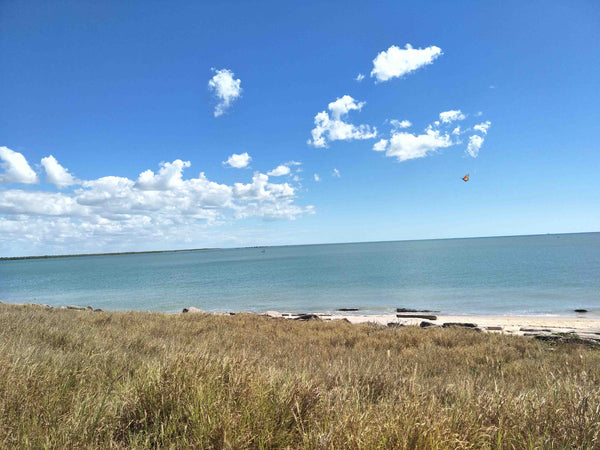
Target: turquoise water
[[549, 274]]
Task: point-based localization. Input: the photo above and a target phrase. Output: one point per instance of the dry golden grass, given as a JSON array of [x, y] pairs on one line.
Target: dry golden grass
[[72, 379]]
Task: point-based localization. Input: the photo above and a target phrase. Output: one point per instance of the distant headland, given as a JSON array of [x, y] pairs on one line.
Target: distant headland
[[79, 255]]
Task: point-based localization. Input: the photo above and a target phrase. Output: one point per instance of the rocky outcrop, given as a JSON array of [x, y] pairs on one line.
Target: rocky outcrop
[[416, 316], [459, 324], [307, 317], [408, 310]]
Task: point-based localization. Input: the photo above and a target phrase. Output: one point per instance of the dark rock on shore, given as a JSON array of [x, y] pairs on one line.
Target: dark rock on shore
[[459, 324], [416, 316], [347, 309], [307, 317], [427, 324], [535, 330], [408, 310]]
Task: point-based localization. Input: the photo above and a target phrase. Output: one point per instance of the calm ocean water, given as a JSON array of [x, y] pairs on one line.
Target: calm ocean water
[[549, 274]]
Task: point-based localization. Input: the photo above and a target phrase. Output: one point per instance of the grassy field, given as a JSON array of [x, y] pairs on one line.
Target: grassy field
[[114, 380]]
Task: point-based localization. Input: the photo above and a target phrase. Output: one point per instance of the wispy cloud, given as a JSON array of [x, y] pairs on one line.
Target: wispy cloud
[[400, 123], [483, 127], [475, 143], [451, 116]]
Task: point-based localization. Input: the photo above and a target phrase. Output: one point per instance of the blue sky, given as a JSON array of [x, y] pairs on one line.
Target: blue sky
[[113, 89]]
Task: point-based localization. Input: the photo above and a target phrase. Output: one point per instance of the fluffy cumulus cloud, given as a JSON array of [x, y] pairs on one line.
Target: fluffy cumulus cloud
[[404, 146], [226, 88], [334, 128], [279, 171], [238, 161], [15, 168], [155, 207], [168, 177], [451, 116], [396, 62], [439, 135], [57, 174]]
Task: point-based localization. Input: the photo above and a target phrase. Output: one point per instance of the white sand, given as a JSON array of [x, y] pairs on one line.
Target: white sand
[[579, 324]]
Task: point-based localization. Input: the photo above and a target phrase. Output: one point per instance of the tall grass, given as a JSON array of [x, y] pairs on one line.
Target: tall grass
[[135, 380]]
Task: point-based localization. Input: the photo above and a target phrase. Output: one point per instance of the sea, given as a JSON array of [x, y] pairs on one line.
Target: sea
[[550, 275]]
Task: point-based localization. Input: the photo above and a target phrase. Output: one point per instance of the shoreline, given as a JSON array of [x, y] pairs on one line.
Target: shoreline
[[554, 328], [510, 324]]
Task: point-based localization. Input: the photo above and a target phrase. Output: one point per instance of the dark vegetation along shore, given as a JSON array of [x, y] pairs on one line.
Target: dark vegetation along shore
[[80, 255], [75, 379]]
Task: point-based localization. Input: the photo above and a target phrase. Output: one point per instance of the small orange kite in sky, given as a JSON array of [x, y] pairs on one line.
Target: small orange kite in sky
[[466, 177]]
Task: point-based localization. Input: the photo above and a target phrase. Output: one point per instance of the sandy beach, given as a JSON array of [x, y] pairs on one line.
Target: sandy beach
[[585, 327]]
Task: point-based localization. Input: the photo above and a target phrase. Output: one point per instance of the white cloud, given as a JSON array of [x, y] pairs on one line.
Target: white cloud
[[438, 135], [483, 127], [475, 143], [16, 202], [238, 161], [404, 146], [16, 169], [381, 145], [359, 77], [343, 106], [226, 89], [334, 128], [168, 177], [451, 116], [336, 173], [57, 174], [317, 177], [396, 62], [279, 171], [157, 207], [400, 124]]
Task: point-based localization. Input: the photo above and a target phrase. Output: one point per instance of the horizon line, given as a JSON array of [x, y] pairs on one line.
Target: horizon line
[[81, 255]]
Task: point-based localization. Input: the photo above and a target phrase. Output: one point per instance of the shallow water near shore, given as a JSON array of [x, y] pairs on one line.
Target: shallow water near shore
[[531, 275]]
